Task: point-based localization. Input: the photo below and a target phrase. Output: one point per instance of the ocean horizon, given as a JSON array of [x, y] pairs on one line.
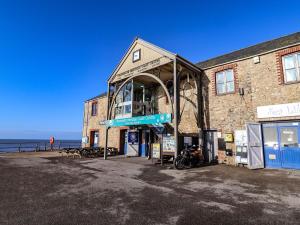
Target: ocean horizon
[[15, 145]]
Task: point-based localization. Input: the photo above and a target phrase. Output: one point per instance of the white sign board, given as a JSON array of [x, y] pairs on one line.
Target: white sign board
[[282, 110], [240, 137], [168, 144]]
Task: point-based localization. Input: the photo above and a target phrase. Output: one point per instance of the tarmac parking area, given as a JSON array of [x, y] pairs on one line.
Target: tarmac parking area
[[60, 190]]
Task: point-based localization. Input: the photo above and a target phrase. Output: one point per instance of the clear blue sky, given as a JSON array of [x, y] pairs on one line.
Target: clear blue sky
[[55, 54]]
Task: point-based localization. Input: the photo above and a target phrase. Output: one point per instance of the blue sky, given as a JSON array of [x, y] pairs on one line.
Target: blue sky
[[55, 54]]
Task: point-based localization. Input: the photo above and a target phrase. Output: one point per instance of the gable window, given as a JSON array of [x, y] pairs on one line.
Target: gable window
[[136, 55], [94, 108], [225, 81], [291, 67]]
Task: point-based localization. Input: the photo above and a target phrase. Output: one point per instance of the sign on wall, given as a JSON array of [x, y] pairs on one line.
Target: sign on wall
[[187, 141], [133, 137], [142, 68], [240, 137], [228, 137], [281, 110]]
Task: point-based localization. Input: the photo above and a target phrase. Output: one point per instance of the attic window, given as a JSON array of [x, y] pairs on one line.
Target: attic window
[[136, 55]]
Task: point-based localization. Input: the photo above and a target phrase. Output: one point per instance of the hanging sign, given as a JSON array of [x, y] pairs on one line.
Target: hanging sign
[[140, 120]]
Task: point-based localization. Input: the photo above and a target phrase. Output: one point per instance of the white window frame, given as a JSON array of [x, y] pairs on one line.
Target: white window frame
[[297, 67], [225, 82]]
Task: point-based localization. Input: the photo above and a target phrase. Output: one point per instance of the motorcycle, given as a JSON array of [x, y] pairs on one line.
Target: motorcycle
[[188, 158]]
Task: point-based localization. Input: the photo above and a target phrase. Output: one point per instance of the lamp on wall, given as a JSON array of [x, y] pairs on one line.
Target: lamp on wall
[[241, 91]]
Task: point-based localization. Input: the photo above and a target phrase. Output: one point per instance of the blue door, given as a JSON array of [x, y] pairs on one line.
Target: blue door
[[272, 154], [143, 150], [290, 146], [282, 145], [125, 144]]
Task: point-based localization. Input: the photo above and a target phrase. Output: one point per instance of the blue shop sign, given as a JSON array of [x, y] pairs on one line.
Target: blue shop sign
[[140, 120]]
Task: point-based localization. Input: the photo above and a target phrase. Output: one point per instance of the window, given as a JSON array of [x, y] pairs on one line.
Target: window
[[291, 67], [270, 137], [94, 108], [289, 137], [136, 55], [127, 109], [127, 92], [225, 81]]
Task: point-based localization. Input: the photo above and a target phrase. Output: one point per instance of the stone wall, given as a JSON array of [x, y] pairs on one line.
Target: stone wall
[[261, 85]]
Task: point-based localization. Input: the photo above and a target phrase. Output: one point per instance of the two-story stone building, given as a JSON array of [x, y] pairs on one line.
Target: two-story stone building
[[242, 107]]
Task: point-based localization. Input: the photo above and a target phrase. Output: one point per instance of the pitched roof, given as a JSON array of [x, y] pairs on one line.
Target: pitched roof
[[98, 96], [143, 42], [264, 47]]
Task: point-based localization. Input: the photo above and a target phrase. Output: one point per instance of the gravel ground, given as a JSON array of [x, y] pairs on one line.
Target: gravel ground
[[60, 190]]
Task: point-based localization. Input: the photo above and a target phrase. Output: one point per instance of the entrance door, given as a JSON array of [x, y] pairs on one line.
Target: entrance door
[[290, 146], [94, 140], [144, 143], [282, 145], [272, 153], [132, 143], [122, 142]]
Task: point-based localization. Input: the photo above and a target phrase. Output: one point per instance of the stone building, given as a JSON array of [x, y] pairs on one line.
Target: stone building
[[240, 108], [93, 121]]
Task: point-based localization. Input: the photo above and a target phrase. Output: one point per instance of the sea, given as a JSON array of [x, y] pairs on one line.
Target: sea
[[24, 145]]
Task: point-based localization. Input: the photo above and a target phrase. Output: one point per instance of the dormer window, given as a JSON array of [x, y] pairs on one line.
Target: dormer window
[[291, 67]]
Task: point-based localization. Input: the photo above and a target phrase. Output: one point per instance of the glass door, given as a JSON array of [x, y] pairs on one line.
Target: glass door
[[272, 154], [290, 146]]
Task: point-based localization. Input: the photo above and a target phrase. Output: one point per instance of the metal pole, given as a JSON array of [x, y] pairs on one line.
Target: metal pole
[[175, 108], [106, 141], [107, 118], [161, 149]]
